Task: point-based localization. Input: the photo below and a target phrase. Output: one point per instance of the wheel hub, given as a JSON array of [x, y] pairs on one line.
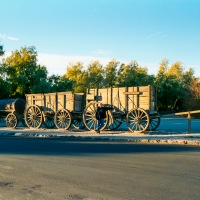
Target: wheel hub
[[137, 120]]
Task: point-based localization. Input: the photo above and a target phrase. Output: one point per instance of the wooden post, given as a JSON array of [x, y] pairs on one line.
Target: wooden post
[[189, 122]]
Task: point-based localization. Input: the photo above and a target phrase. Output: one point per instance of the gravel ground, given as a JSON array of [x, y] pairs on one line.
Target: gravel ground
[[172, 130], [73, 134]]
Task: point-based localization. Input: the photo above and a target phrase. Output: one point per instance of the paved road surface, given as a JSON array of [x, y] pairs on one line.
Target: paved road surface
[[49, 168]]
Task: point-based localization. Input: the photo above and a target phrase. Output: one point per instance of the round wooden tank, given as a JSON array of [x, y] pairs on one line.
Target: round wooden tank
[[13, 105]]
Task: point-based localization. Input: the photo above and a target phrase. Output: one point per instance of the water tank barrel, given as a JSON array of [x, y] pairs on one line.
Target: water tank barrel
[[17, 105]]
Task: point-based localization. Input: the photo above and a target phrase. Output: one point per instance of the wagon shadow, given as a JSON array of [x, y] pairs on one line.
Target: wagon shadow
[[70, 147]]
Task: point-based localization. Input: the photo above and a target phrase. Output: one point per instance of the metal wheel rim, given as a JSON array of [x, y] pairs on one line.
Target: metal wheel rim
[[63, 119], [137, 120], [11, 120], [33, 117], [89, 117]]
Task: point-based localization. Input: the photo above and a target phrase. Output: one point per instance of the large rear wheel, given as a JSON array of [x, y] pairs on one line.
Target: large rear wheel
[[89, 116]]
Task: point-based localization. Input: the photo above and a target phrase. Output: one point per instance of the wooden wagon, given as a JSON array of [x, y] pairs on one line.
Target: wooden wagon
[[60, 109], [12, 110], [135, 105]]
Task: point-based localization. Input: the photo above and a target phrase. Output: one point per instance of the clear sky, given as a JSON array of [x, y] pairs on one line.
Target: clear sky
[[64, 31]]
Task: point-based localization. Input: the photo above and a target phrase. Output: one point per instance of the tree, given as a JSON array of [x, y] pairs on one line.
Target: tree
[[22, 71], [110, 74], [1, 50], [191, 99], [59, 84], [172, 85], [133, 75], [94, 75], [76, 75]]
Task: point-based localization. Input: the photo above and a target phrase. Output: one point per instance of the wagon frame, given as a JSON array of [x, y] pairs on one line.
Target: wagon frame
[[60, 109], [134, 105], [12, 111]]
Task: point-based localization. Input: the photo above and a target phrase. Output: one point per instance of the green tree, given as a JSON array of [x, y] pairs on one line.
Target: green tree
[[1, 50], [94, 75], [110, 73], [59, 83], [23, 72], [172, 85], [77, 76], [133, 75]]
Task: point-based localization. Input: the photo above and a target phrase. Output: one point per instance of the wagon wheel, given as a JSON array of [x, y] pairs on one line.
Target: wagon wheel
[[137, 120], [89, 116], [63, 119], [154, 122], [49, 122], [78, 124], [33, 117], [11, 120], [114, 120]]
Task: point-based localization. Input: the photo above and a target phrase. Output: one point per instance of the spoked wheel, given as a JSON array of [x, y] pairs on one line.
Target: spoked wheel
[[137, 120], [154, 122], [114, 120], [49, 122], [11, 120], [78, 124], [33, 117], [63, 119], [89, 117]]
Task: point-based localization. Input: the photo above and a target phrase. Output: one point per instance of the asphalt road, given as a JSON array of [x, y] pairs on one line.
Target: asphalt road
[[49, 168]]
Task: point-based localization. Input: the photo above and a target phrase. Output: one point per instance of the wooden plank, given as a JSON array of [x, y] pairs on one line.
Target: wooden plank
[[132, 93], [187, 112]]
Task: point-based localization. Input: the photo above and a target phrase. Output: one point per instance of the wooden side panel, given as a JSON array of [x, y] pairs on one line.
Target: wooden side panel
[[90, 95], [110, 96], [70, 101], [144, 97], [104, 95], [78, 102], [60, 101], [119, 98], [132, 100], [35, 99], [50, 102], [153, 97], [128, 98]]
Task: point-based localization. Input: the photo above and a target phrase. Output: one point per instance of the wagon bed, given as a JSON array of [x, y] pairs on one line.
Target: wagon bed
[[135, 105], [59, 109]]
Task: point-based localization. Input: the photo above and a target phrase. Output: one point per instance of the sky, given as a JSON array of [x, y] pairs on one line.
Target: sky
[[69, 31]]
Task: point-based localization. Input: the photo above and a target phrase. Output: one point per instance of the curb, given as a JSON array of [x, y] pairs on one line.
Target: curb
[[169, 139]]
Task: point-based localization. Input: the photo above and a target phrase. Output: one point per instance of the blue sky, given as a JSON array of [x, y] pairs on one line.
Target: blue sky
[[64, 31]]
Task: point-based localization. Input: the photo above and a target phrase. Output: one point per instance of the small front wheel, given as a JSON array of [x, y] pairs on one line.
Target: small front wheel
[[11, 120], [137, 120], [63, 119]]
